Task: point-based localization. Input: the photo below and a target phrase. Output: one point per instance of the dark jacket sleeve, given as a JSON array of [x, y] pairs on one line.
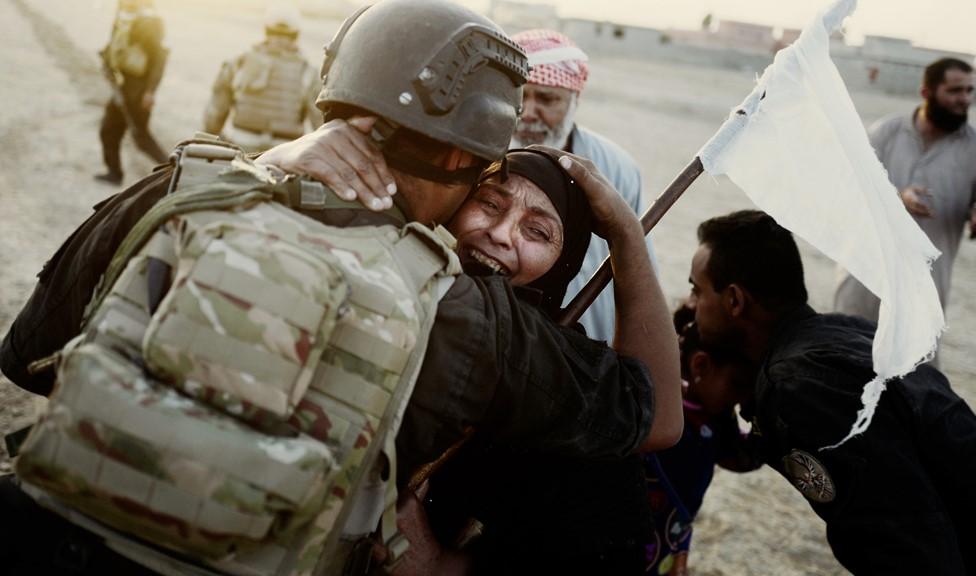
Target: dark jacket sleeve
[[499, 364], [53, 314], [885, 513]]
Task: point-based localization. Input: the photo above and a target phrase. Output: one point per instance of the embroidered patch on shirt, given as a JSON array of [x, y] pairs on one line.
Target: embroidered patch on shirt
[[810, 476]]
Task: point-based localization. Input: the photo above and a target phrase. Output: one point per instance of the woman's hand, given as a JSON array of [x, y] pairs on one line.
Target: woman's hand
[[340, 155], [643, 321], [612, 217]]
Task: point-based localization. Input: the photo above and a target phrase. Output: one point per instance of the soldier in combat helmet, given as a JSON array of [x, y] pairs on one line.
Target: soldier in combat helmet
[[267, 92], [446, 96], [133, 61]]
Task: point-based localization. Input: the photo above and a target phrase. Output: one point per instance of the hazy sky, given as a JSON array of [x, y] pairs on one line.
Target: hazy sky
[[946, 24]]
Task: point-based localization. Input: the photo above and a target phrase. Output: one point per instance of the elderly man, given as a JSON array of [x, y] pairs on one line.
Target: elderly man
[[930, 156], [550, 99]]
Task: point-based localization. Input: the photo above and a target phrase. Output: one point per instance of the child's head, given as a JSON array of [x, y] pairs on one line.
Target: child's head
[[717, 379]]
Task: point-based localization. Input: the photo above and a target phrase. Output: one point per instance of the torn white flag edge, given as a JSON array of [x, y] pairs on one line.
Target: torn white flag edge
[[739, 118]]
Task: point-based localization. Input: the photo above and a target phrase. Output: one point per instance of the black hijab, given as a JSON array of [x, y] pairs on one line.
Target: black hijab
[[570, 202]]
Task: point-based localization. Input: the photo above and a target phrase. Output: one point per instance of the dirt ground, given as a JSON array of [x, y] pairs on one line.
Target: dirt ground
[[662, 113]]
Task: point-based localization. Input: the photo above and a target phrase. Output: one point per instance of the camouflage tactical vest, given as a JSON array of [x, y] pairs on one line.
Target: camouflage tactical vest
[[240, 378], [122, 54], [270, 92]]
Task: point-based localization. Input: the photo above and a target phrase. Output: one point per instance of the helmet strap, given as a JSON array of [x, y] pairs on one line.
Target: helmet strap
[[414, 166]]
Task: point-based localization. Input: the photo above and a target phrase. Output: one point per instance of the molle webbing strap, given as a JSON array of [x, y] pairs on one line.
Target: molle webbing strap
[[220, 196], [161, 247], [357, 342], [277, 299], [222, 449], [113, 477], [417, 261], [206, 346], [200, 162], [352, 388], [120, 326], [132, 286], [371, 297]]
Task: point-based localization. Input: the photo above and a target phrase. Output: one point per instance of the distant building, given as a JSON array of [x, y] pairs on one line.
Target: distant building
[[744, 36], [789, 36], [613, 40], [882, 63], [517, 16], [892, 65]]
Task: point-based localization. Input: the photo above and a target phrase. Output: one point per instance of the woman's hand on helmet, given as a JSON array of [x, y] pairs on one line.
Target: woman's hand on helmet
[[341, 155]]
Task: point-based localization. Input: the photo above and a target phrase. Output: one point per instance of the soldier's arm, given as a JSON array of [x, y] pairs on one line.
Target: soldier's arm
[[53, 314], [221, 99]]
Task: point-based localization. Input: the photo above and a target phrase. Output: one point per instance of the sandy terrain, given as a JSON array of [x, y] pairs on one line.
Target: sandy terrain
[[661, 113]]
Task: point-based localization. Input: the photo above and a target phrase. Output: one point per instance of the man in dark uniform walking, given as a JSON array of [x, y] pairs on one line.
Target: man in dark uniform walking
[[897, 499], [134, 60]]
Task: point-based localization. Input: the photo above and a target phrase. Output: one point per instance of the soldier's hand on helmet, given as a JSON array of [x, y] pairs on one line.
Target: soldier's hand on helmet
[[611, 214], [340, 155]]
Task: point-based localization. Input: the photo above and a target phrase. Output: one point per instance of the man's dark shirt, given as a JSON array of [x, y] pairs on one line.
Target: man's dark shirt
[[906, 487], [491, 361]]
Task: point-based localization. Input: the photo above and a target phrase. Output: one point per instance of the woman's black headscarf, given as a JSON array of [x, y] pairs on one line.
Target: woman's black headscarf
[[570, 202]]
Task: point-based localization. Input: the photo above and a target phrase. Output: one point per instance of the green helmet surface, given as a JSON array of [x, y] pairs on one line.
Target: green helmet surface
[[432, 66]]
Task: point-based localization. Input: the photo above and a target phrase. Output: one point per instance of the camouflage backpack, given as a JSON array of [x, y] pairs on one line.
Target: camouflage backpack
[[242, 414]]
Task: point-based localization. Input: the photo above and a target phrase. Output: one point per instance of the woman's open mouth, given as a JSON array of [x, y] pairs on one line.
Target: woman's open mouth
[[486, 260]]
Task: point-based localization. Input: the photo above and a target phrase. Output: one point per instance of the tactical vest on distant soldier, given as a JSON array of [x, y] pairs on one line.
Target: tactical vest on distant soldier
[[271, 92], [123, 55], [242, 373]]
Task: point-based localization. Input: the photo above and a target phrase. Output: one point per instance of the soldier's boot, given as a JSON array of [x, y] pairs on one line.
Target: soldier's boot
[[113, 178]]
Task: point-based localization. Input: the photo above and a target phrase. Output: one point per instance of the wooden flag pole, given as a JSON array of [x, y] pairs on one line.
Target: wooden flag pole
[[602, 277]]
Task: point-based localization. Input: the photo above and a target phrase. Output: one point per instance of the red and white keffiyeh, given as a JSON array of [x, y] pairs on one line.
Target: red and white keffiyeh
[[554, 58]]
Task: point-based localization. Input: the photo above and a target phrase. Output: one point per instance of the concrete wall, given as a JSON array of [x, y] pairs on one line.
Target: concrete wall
[[889, 65]]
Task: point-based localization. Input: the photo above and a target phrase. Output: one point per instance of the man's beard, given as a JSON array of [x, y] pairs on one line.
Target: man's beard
[[941, 117], [540, 133]]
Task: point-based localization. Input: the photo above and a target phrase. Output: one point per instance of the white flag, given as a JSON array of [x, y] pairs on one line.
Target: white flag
[[798, 149]]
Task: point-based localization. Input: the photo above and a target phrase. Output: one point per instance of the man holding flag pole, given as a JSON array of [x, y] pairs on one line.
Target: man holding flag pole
[[897, 494]]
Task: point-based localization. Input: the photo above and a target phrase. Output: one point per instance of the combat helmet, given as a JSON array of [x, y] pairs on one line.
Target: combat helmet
[[431, 66], [281, 18]]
